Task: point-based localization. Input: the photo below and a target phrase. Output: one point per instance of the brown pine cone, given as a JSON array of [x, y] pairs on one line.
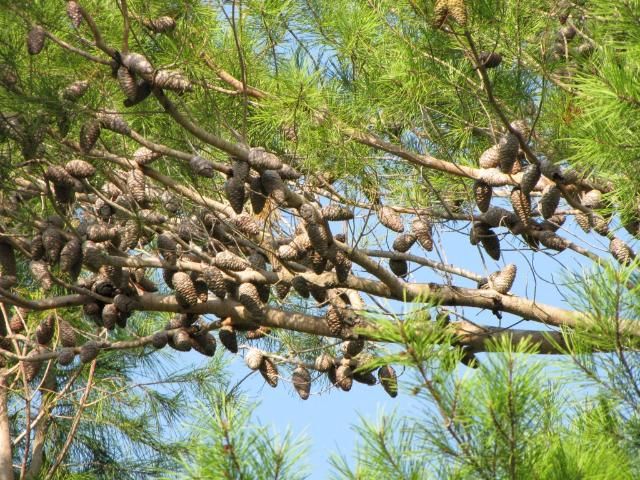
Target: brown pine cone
[[388, 380], [530, 178], [35, 40], [421, 228], [521, 206], [404, 242], [335, 320], [260, 159], [269, 372], [80, 169], [228, 338], [89, 352], [621, 251], [274, 186], [162, 24], [482, 193], [235, 192], [74, 13], [44, 331], [66, 334], [186, 293], [390, 219], [549, 201], [399, 267], [301, 380], [89, 134], [249, 297]]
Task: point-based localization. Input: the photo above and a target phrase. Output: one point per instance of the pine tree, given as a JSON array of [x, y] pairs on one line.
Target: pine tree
[[164, 165]]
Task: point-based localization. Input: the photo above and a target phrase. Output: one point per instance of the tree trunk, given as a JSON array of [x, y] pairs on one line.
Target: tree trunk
[[6, 461]]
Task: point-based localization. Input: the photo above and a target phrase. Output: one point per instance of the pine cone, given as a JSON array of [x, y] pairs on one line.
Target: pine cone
[[440, 12], [282, 289], [41, 274], [399, 267], [66, 335], [246, 224], [228, 338], [100, 232], [621, 251], [269, 372], [421, 228], [552, 241], [110, 316], [162, 24], [521, 205], [136, 184], [257, 195], [89, 352], [235, 191], [114, 122], [458, 12], [80, 169], [53, 242], [482, 193], [301, 286], [73, 12], [319, 237], [600, 224], [127, 83], [249, 297], [44, 331], [254, 358], [530, 178], [582, 219], [490, 242], [390, 219], [89, 134], [186, 294], [323, 362], [507, 152], [367, 378], [301, 380], [404, 242], [490, 158], [260, 159], [549, 201], [342, 264], [66, 356], [204, 343], [344, 377], [214, 279], [36, 248], [145, 156], [490, 59], [172, 80], [130, 235], [351, 348], [32, 368], [229, 261], [59, 176], [35, 40], [160, 340], [553, 223], [201, 166], [7, 260], [274, 186], [388, 380], [592, 199], [502, 281], [336, 213], [180, 340], [335, 320], [318, 262], [137, 64]]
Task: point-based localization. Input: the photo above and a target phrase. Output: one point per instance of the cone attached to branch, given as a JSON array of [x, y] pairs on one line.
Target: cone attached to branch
[[35, 40], [186, 293], [228, 338], [388, 380], [301, 380], [482, 193], [390, 219]]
